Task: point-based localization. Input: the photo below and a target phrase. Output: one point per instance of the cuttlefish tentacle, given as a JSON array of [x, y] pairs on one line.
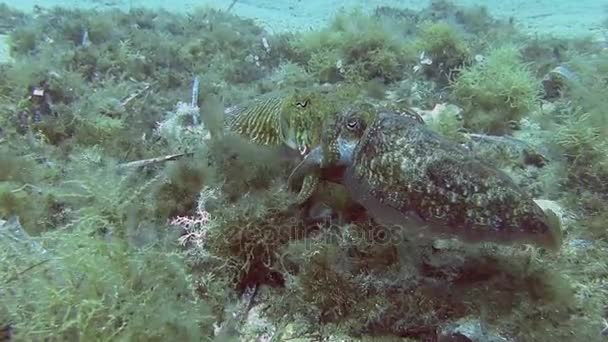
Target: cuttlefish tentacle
[[407, 175], [309, 186], [310, 165], [333, 153]]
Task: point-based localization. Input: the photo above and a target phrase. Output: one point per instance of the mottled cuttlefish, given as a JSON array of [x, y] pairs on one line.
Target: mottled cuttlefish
[[405, 174]]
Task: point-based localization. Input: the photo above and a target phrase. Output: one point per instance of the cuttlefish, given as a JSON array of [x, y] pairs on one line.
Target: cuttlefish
[[292, 121], [275, 121], [406, 175]]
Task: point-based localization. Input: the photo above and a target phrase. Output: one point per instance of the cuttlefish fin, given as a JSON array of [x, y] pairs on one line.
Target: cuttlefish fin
[[385, 214], [554, 237]]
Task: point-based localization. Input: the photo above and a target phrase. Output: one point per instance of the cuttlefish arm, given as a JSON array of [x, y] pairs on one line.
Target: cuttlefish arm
[[309, 166], [327, 161]]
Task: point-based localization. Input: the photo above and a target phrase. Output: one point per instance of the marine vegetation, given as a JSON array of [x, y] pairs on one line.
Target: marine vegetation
[[145, 189], [497, 91]]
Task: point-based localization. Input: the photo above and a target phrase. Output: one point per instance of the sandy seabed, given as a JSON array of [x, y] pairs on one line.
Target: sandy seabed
[[564, 18]]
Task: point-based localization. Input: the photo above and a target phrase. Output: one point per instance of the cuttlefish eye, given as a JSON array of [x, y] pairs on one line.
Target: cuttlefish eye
[[353, 124]]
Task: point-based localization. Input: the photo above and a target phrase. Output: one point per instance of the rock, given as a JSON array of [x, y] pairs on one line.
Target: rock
[[579, 245], [516, 151], [556, 80], [469, 329], [563, 215], [5, 55], [13, 238], [440, 110]]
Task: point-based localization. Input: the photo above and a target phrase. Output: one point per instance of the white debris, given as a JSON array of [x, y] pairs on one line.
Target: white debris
[[340, 66], [265, 44], [425, 60], [563, 215], [440, 110]]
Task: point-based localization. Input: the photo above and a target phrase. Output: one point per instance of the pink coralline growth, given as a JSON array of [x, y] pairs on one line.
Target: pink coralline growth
[[195, 227]]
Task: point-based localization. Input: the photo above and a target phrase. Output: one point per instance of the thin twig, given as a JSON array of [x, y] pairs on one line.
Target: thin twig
[[131, 97], [146, 162], [19, 274], [194, 103], [231, 5], [24, 186]]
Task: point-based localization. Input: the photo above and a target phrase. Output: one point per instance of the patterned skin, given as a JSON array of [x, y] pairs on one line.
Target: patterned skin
[[280, 120], [404, 174]]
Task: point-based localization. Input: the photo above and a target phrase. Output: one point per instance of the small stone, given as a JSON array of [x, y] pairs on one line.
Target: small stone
[[556, 80], [5, 56], [469, 329], [555, 207], [440, 110], [579, 244]]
